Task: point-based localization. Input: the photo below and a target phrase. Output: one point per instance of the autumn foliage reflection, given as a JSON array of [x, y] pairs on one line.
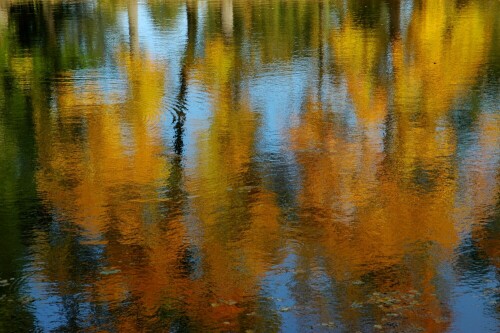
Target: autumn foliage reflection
[[162, 222]]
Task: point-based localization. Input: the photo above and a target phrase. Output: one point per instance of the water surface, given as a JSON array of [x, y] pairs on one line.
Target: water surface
[[250, 166]]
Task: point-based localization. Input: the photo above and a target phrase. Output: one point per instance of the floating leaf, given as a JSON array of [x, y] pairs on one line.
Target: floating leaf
[[230, 302], [110, 272], [328, 324], [356, 305]]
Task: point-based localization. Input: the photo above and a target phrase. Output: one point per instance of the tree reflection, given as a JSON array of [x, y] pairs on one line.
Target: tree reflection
[[149, 219]]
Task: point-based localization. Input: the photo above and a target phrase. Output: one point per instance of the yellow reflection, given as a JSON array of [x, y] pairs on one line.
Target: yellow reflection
[[376, 199], [442, 55], [239, 217], [101, 165], [360, 52]]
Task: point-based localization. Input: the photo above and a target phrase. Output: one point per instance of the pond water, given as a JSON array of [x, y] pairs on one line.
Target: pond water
[[250, 166]]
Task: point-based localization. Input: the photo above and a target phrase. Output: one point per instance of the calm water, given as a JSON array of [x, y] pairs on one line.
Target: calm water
[[250, 166]]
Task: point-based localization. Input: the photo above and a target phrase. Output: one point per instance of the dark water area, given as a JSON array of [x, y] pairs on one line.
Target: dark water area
[[250, 166]]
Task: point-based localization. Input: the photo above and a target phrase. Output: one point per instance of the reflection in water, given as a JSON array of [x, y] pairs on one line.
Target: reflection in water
[[249, 166]]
